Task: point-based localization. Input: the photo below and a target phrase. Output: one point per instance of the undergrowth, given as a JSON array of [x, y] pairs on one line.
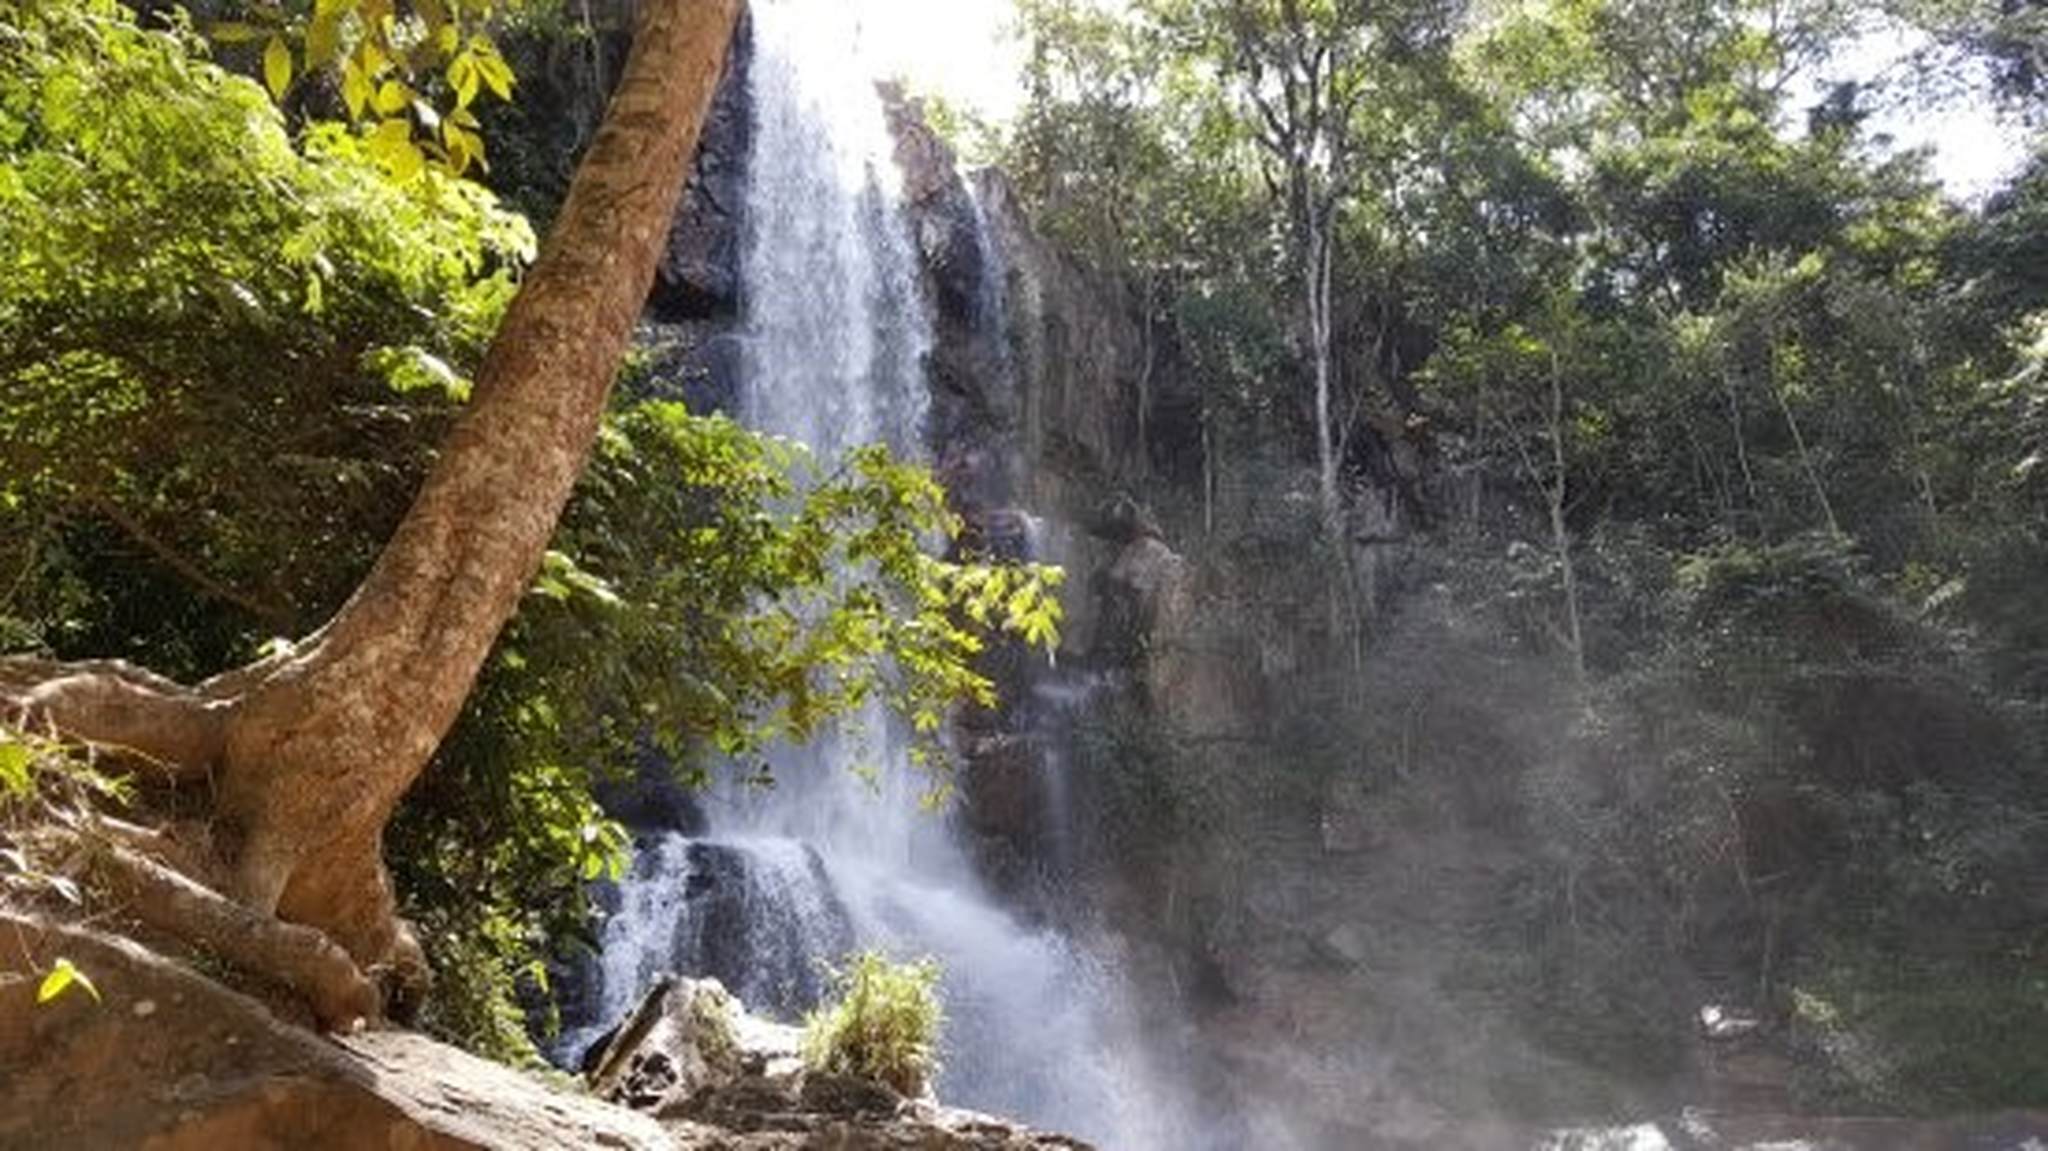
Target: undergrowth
[[882, 1025]]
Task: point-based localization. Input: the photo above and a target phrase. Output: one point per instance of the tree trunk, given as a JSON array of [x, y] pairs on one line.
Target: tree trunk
[[1741, 442], [319, 754], [1316, 282], [1318, 285], [1145, 384], [1560, 534], [312, 750], [1806, 465]]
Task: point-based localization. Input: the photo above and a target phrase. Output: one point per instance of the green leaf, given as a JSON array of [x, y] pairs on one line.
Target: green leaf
[[356, 90], [392, 98], [391, 145], [462, 77], [323, 37], [15, 759], [62, 977], [497, 75], [277, 67]]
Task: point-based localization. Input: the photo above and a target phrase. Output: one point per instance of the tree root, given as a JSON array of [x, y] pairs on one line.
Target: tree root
[[196, 888], [303, 959], [125, 711]]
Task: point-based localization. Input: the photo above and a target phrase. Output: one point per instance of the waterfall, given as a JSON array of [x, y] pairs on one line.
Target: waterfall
[[836, 330], [840, 853]]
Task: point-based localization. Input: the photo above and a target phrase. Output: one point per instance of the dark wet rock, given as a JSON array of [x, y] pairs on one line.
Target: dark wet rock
[[760, 928], [653, 800], [699, 276]]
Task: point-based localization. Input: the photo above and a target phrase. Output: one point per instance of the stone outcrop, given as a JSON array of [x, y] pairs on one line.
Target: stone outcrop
[[165, 1059], [700, 269], [689, 332], [691, 1052]]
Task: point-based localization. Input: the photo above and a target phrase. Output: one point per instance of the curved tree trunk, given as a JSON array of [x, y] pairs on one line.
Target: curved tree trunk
[[313, 750]]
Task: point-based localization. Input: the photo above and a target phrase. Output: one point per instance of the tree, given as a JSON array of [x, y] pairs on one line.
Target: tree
[[1299, 71], [228, 352], [1297, 79], [313, 747]]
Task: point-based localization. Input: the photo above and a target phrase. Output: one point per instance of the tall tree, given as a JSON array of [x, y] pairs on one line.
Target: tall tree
[[1299, 73], [1297, 70], [312, 748]]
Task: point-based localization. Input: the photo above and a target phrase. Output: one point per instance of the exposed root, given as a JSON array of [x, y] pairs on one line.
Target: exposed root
[[222, 895], [125, 711], [190, 856], [303, 959]]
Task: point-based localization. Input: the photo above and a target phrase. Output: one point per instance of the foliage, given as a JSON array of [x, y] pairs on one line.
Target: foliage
[[1633, 257], [882, 1026], [64, 976], [704, 616], [406, 74], [191, 297], [1921, 1033], [41, 780], [1598, 253]]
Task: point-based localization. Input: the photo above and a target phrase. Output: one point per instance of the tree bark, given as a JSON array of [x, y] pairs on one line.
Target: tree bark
[[319, 754], [311, 751]]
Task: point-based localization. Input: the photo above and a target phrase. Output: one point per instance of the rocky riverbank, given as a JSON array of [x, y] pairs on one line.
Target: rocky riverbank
[[161, 1056]]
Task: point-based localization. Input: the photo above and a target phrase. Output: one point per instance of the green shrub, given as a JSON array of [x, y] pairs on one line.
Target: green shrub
[[883, 1025]]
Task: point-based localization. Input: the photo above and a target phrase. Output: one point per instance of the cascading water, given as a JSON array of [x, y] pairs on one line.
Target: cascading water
[[836, 856]]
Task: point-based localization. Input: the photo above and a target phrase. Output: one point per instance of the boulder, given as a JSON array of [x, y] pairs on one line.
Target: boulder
[[682, 1040]]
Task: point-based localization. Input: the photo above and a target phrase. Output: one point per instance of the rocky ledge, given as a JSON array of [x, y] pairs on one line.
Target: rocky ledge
[[691, 1053], [164, 1058]]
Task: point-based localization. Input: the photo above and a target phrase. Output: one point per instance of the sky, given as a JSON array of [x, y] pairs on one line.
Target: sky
[[1973, 150], [962, 50], [959, 49]]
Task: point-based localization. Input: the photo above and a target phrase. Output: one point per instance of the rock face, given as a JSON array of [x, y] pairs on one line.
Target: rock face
[[700, 271], [168, 1060], [690, 330]]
